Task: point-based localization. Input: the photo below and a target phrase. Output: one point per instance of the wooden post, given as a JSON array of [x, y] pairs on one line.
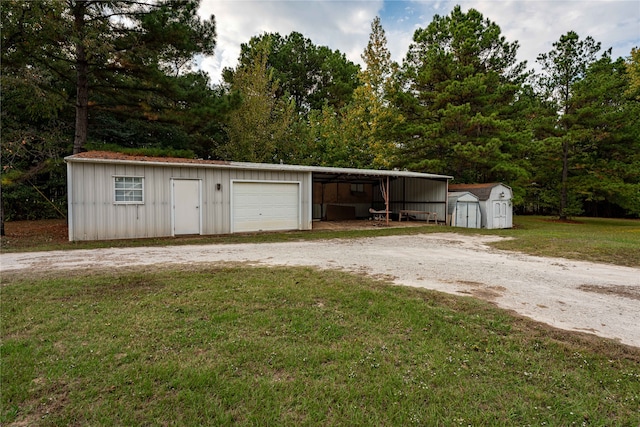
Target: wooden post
[[386, 200], [323, 217]]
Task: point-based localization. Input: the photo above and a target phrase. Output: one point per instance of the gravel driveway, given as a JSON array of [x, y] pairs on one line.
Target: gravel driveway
[[596, 298]]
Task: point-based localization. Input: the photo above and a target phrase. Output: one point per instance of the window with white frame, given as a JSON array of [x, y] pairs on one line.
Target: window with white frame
[[128, 189]]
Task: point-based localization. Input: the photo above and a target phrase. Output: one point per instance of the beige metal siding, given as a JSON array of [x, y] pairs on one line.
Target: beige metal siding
[[95, 216]]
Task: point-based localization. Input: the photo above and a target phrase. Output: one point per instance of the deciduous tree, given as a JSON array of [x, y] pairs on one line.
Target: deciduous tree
[[260, 124]]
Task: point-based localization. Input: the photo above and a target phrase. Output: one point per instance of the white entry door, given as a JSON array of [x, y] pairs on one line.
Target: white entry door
[[500, 215], [265, 205], [186, 206]]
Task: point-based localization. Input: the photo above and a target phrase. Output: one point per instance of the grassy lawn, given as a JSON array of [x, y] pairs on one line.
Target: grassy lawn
[[268, 346], [295, 346], [613, 241]]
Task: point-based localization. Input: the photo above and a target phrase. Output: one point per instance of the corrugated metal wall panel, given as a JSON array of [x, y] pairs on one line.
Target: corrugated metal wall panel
[[158, 203], [219, 202], [103, 199], [415, 194], [95, 216], [222, 202]]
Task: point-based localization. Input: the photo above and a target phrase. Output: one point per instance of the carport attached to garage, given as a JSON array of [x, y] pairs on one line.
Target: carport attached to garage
[[380, 190], [118, 196]]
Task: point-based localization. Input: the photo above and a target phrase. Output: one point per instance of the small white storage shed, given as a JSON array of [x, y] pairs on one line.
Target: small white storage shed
[[119, 196], [495, 203], [464, 210]]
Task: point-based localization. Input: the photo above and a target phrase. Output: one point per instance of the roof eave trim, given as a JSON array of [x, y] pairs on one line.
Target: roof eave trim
[[264, 166]]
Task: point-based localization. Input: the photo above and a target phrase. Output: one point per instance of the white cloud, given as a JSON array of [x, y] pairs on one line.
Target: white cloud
[[340, 25], [538, 24], [345, 25]]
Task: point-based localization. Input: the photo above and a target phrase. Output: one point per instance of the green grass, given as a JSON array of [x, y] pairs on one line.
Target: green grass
[[289, 347], [613, 241]]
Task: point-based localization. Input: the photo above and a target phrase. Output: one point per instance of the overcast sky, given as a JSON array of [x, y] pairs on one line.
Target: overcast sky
[[345, 25]]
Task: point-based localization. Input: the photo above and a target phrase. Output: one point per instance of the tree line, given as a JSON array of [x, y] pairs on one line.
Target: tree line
[[120, 75]]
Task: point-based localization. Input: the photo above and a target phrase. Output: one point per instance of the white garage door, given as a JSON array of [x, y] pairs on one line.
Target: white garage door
[[265, 206]]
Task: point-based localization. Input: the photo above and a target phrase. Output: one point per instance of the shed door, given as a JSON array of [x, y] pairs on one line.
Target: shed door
[[475, 219], [461, 214], [467, 215], [264, 206], [186, 206], [499, 214]]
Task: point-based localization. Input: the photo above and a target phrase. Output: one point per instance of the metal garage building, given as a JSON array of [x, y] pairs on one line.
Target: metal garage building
[[117, 196]]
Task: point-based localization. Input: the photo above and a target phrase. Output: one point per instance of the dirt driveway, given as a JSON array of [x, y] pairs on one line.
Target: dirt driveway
[[595, 298]]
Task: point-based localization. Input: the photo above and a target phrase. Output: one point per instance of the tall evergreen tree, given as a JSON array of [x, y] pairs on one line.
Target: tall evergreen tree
[[633, 69], [312, 75], [107, 48], [359, 134], [378, 65], [602, 125], [459, 84], [76, 71], [369, 122], [562, 67]]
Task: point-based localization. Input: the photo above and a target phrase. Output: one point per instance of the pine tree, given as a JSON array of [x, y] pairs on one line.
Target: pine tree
[[562, 67], [458, 92], [104, 49]]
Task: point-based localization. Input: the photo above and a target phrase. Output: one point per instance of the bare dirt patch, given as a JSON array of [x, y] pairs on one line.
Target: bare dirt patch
[[360, 224], [621, 291], [27, 234]]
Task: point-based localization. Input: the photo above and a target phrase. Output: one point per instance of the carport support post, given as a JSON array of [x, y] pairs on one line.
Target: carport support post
[[386, 199]]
